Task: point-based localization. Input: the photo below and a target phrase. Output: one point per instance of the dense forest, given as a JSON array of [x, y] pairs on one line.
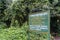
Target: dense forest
[[14, 16]]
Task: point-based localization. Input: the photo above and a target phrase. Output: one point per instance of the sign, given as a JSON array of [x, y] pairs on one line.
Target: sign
[[40, 23]]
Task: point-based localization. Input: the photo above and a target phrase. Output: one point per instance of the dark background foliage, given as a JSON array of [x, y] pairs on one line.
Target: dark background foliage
[[15, 13]]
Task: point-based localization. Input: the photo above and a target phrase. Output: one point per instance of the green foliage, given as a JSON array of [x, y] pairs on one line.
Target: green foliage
[[2, 8], [16, 9], [19, 10], [14, 33], [17, 13], [40, 36], [2, 25]]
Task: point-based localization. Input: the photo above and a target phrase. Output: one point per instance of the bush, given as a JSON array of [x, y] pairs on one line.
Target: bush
[[2, 25], [14, 33]]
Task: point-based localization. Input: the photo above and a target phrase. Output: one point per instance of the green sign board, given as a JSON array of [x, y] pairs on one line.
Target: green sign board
[[39, 23]]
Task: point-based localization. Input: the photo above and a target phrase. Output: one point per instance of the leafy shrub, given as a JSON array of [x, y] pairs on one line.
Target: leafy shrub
[[14, 33], [2, 25]]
